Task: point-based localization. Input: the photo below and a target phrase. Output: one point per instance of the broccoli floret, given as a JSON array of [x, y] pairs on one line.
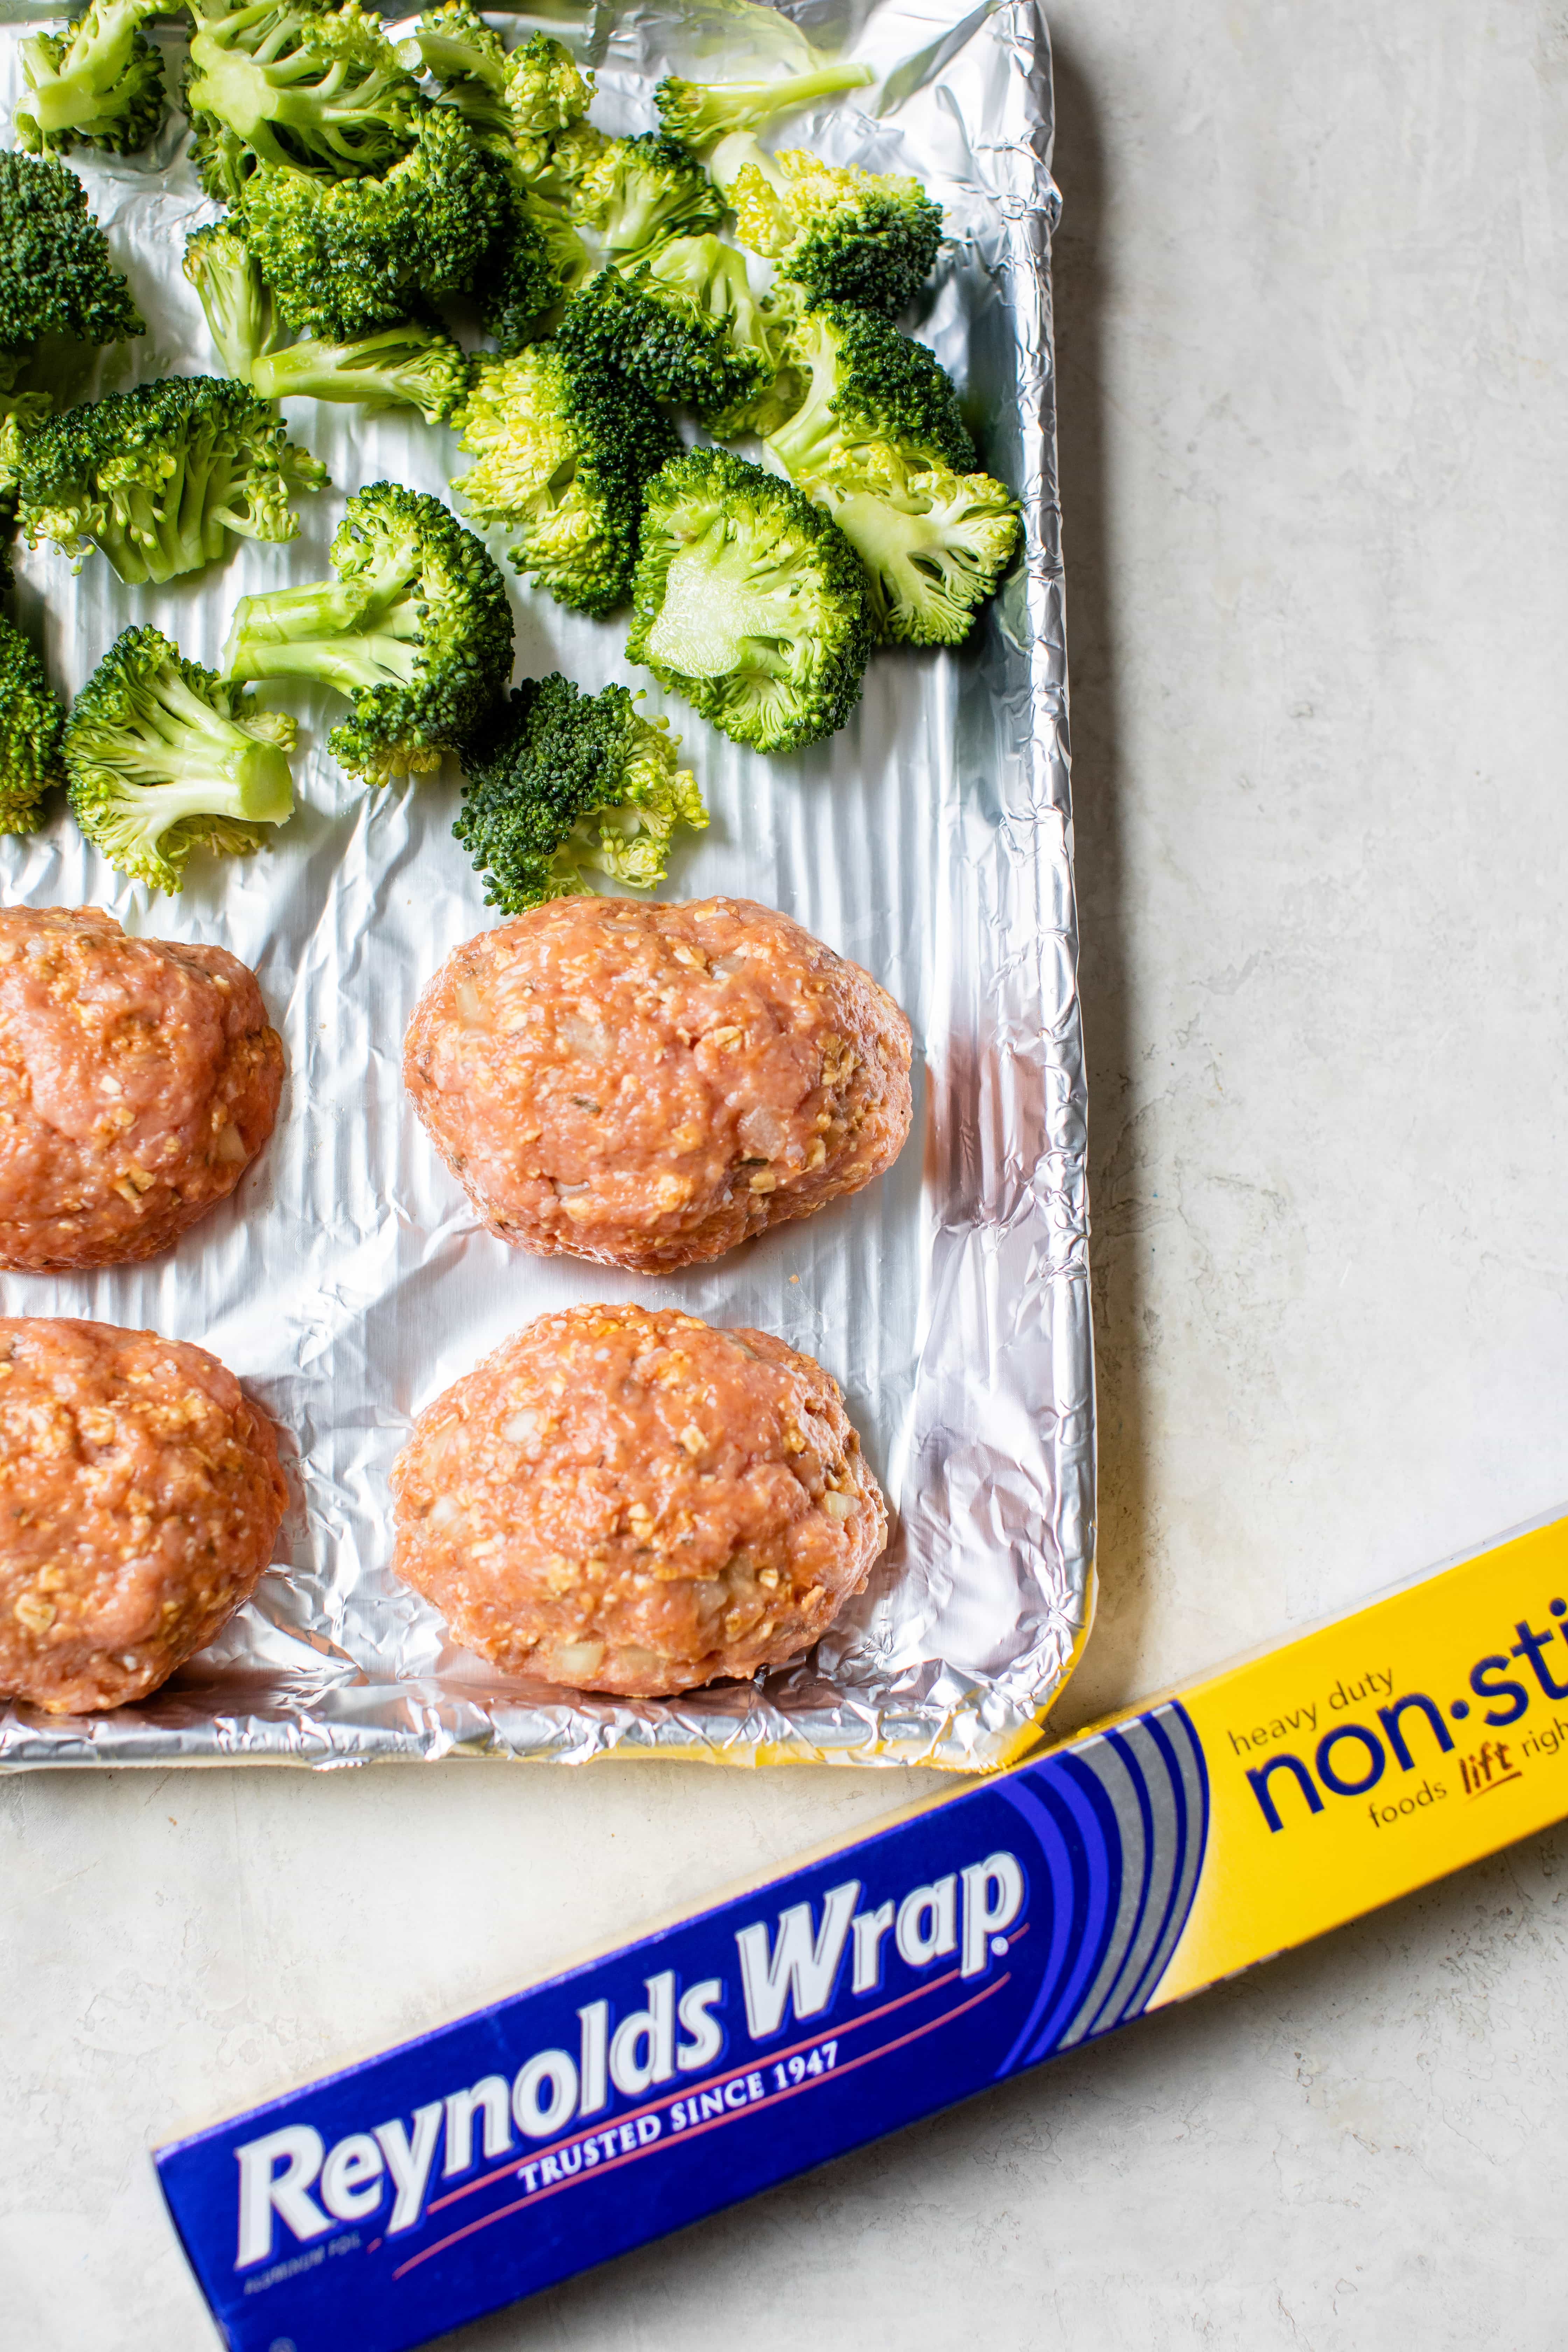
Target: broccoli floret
[[100, 81], [158, 478], [529, 107], [687, 327], [750, 601], [565, 449], [55, 276], [343, 257], [414, 365], [934, 543], [21, 414], [30, 723], [841, 233], [566, 784], [639, 192], [163, 757], [469, 61], [534, 92], [416, 628], [701, 114], [534, 261], [411, 365], [294, 83], [868, 386], [240, 314]]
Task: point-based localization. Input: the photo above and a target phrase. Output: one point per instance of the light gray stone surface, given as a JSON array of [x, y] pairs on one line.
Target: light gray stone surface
[[1313, 331]]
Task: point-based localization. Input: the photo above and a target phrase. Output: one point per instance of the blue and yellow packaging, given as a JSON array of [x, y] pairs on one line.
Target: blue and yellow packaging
[[889, 1976]]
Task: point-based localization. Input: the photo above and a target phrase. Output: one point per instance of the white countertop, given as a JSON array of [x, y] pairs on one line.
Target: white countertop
[[1312, 322]]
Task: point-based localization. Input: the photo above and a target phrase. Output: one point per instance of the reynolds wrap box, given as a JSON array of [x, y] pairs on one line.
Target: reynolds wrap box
[[876, 1981]]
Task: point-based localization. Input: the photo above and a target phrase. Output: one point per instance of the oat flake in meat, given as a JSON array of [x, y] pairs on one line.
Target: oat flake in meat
[[138, 1079], [635, 1502], [140, 1499], [651, 1084]]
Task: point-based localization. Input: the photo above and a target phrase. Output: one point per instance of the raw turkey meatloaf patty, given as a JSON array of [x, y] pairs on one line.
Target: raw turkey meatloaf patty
[[140, 1497], [633, 1502], [649, 1085], [138, 1078]]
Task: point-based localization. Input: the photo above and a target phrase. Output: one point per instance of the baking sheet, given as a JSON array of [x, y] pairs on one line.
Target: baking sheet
[[348, 1282]]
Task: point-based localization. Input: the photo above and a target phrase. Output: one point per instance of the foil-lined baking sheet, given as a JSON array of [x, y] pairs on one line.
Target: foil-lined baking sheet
[[348, 1282]]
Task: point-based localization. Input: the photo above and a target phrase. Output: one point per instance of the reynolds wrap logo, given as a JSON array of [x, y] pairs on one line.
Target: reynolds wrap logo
[[1410, 1734], [388, 2170]]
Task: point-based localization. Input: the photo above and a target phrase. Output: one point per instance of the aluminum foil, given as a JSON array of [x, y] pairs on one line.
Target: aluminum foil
[[348, 1282]]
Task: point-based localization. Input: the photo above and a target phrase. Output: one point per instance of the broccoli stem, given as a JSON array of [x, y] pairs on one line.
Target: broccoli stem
[[73, 92], [202, 764], [380, 371], [314, 632], [712, 620]]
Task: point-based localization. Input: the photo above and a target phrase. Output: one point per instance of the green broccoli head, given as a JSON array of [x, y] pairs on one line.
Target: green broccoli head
[[297, 84], [867, 385], [159, 477], [701, 114], [566, 784], [30, 723], [241, 317], [841, 233], [100, 81], [687, 327], [415, 628], [639, 192], [535, 260], [413, 365], [55, 276], [934, 543], [750, 601], [564, 448], [343, 257], [163, 758]]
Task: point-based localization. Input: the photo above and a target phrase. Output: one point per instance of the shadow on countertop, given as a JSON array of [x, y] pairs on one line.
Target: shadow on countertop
[[1108, 1676]]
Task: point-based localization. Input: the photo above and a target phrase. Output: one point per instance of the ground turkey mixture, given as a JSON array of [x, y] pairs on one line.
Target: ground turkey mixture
[[649, 1085], [140, 1497], [137, 1079], [633, 1502]]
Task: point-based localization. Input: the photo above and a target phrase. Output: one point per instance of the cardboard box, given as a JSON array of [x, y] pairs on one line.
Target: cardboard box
[[890, 1975]]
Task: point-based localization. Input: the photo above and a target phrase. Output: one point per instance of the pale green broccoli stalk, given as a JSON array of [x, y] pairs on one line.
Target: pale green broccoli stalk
[[345, 256], [416, 628], [750, 601], [842, 235], [687, 327], [701, 114], [30, 723], [566, 784], [159, 477], [934, 543], [165, 758], [409, 366], [241, 316], [565, 449], [100, 82], [639, 192], [297, 84]]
